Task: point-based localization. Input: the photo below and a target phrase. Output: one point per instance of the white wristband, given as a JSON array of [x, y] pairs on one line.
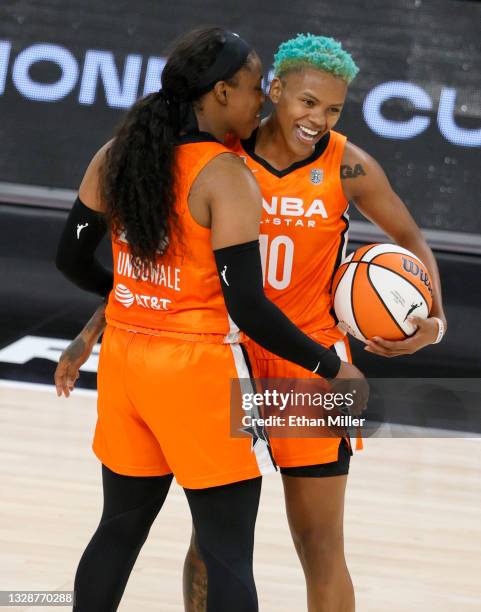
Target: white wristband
[[441, 330]]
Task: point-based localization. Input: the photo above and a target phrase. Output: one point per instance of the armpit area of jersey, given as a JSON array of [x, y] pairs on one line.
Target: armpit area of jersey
[[80, 238], [240, 273]]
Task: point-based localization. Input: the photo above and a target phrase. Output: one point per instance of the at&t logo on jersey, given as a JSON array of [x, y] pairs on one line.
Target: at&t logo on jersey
[[285, 206], [125, 296]]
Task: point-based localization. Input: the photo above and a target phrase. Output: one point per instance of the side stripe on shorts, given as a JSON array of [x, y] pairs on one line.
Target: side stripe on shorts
[[261, 447], [340, 348]]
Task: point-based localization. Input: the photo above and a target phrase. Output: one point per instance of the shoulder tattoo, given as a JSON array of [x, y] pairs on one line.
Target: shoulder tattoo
[[350, 172]]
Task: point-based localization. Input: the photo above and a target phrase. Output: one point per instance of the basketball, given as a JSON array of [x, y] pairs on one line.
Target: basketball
[[377, 288]]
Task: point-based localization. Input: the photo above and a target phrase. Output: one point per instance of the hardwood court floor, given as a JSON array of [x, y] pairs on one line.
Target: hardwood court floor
[[413, 534]]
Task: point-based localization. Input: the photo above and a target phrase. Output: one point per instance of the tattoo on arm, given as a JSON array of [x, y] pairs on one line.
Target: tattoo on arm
[[348, 172], [97, 322], [75, 349]]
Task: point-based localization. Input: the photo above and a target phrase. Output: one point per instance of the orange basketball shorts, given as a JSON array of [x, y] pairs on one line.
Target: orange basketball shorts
[[164, 407], [297, 452]]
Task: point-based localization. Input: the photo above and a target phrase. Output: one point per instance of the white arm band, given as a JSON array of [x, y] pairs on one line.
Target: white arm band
[[441, 330]]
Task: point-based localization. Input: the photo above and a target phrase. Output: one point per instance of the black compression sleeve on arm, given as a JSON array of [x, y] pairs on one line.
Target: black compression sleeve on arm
[[240, 274], [81, 236]]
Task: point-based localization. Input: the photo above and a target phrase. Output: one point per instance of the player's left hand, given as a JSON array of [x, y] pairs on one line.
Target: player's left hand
[[426, 333]]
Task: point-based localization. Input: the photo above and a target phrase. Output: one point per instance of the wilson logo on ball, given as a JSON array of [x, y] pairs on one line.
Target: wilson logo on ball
[[377, 288], [412, 267]]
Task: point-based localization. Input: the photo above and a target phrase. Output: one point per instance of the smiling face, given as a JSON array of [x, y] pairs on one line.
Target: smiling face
[[308, 104]]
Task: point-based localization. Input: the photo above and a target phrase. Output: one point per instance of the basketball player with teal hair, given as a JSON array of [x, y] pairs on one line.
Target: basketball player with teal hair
[[297, 154], [318, 52]]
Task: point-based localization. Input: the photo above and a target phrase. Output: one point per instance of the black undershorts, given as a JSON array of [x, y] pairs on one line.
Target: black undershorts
[[323, 470]]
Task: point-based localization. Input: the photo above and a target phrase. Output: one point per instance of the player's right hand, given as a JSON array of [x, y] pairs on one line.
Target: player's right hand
[[350, 379], [72, 358]]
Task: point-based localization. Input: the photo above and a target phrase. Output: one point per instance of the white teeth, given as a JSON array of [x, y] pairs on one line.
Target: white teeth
[[308, 131]]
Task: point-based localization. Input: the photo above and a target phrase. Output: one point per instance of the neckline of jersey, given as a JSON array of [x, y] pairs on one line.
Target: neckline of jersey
[[250, 144], [196, 137]]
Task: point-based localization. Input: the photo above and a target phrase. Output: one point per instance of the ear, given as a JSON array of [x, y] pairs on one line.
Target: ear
[[220, 92], [275, 90]]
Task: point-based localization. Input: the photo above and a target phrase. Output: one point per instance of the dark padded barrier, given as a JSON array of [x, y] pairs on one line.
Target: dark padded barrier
[[69, 69]]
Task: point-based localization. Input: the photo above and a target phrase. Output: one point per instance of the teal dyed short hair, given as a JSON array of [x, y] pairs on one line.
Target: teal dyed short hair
[[310, 51]]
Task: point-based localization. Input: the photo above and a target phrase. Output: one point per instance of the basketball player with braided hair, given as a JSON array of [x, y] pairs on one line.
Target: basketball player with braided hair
[[184, 214]]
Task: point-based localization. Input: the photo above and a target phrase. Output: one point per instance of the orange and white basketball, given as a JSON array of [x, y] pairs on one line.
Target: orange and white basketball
[[377, 288]]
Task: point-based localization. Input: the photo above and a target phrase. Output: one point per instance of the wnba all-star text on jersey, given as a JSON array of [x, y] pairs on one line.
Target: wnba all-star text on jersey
[[283, 207]]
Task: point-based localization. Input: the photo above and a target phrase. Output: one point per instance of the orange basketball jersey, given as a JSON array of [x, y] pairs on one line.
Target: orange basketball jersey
[[181, 292], [303, 232]]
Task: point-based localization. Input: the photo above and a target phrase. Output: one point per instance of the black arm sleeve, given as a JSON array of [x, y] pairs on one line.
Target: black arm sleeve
[[81, 236], [240, 274]]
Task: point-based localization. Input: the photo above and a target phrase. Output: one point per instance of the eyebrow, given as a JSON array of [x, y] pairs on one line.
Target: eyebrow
[[311, 95]]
